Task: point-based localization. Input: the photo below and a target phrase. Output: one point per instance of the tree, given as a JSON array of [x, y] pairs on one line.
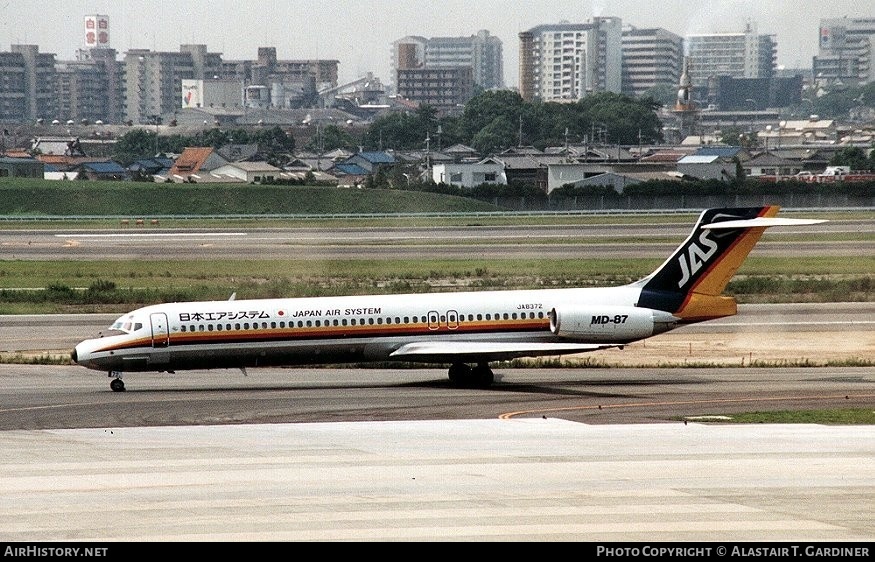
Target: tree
[[134, 145], [482, 110], [851, 156], [332, 137], [626, 119], [664, 94], [272, 140], [497, 135]]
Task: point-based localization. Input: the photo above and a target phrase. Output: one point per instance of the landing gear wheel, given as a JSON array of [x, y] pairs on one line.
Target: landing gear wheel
[[482, 376], [459, 373], [117, 385], [465, 376]]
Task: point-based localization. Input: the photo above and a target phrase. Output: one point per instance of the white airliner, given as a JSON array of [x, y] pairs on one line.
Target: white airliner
[[466, 330]]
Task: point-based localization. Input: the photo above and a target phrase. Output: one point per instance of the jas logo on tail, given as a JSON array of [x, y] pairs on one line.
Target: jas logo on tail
[[696, 257]]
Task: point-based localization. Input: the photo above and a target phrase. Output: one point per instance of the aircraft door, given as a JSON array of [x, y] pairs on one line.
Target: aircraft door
[[434, 320], [452, 320], [160, 330]]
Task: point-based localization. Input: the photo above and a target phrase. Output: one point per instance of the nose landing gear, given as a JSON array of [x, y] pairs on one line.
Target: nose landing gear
[[117, 384]]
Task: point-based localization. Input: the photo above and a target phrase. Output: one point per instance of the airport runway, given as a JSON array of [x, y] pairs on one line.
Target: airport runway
[[483, 480], [598, 454], [310, 454], [457, 242]]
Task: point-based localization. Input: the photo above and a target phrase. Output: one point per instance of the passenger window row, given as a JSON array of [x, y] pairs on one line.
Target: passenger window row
[[351, 322]]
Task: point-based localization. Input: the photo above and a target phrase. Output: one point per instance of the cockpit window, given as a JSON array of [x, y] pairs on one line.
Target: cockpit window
[[126, 325]]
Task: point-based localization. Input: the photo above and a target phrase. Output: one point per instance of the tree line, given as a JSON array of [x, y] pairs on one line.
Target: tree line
[[491, 122]]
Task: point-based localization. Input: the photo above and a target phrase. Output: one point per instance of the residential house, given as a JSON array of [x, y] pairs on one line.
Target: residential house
[[464, 174], [238, 152], [526, 165], [21, 168], [771, 164], [193, 161], [249, 172], [372, 162], [107, 170], [52, 172], [461, 153], [814, 159], [813, 130], [159, 165], [349, 175], [713, 162]]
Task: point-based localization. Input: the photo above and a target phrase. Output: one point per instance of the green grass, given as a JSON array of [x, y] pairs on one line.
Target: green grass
[[113, 286], [849, 416], [34, 198]]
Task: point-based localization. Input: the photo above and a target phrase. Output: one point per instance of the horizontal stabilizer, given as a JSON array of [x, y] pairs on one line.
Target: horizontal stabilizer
[[489, 351], [761, 222]]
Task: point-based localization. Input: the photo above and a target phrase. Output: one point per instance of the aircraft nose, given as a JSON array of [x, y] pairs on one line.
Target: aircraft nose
[[74, 356]]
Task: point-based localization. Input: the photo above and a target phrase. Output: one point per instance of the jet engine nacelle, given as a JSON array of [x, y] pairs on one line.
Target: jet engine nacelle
[[609, 323]]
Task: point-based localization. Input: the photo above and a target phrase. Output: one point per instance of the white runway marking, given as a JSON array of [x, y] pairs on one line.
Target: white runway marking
[[153, 235]]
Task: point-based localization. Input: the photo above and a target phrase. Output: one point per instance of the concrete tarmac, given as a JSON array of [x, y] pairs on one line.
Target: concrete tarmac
[[473, 480]]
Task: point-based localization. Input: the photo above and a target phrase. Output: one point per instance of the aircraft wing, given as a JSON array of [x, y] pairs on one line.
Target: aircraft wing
[[476, 352]]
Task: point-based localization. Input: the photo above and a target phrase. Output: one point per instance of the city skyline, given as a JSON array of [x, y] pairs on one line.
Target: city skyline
[[359, 33]]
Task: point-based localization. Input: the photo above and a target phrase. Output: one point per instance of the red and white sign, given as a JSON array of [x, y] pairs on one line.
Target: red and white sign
[[96, 31]]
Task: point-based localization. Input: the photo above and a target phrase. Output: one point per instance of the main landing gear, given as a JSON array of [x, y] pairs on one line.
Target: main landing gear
[[471, 377], [116, 384]]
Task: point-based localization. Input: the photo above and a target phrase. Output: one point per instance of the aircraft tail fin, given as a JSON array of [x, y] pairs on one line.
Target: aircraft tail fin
[[690, 283]]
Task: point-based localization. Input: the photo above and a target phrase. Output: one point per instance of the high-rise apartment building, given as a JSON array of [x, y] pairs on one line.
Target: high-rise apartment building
[[846, 52], [445, 89], [739, 55], [153, 79], [34, 73], [651, 58], [90, 87], [482, 53], [566, 62], [13, 100]]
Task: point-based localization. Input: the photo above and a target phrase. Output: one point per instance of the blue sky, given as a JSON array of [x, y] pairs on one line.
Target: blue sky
[[359, 33]]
